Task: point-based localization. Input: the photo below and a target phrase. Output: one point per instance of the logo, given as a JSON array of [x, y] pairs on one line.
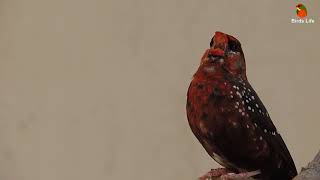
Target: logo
[[302, 13]]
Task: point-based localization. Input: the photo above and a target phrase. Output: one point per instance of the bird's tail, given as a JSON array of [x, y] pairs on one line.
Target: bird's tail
[[283, 175]]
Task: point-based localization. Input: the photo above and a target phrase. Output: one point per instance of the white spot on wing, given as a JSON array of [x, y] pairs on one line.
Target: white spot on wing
[[239, 94]]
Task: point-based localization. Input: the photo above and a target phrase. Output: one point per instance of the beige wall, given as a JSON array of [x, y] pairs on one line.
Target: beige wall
[[97, 89]]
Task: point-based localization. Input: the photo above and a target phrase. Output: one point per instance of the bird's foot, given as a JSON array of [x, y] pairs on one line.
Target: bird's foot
[[215, 174], [226, 174], [240, 176]]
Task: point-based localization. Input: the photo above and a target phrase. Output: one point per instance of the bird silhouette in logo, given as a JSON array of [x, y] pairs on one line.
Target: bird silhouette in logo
[[301, 11]]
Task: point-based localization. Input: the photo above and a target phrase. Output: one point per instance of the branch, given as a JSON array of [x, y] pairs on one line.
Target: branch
[[312, 171]]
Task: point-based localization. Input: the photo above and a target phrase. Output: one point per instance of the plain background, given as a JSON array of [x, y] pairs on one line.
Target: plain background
[[97, 89]]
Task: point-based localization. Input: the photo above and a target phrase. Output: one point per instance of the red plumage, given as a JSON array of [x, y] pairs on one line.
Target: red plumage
[[229, 119]]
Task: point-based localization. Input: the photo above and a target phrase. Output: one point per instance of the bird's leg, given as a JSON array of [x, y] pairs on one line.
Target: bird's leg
[[241, 175], [215, 173]]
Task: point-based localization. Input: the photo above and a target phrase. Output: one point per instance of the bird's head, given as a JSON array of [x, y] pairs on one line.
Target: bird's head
[[225, 56], [300, 7]]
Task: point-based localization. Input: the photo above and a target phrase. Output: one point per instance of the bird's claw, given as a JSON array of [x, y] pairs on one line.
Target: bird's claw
[[215, 174], [225, 174]]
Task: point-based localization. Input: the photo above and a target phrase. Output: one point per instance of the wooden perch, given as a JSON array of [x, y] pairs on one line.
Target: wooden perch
[[311, 172]]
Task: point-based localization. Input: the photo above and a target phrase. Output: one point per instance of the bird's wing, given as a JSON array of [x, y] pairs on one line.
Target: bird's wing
[[263, 122]]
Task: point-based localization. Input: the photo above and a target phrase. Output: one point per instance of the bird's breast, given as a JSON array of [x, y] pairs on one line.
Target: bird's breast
[[205, 106]]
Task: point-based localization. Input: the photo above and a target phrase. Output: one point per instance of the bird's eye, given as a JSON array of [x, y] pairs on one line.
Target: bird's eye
[[233, 46]]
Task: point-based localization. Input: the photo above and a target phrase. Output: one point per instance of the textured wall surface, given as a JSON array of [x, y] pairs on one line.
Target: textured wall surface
[[311, 171], [97, 89]]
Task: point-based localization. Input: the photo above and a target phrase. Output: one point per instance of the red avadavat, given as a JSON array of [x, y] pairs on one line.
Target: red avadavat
[[228, 118]]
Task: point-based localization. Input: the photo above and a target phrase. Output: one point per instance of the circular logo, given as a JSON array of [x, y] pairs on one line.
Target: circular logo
[[301, 10]]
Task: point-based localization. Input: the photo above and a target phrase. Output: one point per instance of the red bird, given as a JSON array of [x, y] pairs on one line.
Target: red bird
[[228, 118]]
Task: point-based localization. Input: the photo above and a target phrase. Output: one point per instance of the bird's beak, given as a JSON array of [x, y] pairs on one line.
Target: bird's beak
[[219, 46]]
